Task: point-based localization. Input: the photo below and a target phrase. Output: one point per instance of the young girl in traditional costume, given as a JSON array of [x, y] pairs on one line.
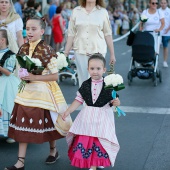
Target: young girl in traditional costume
[[92, 139], [8, 84], [31, 120]]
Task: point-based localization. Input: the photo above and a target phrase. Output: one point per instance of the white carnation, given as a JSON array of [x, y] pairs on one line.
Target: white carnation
[[37, 62], [61, 61], [113, 79], [143, 18]]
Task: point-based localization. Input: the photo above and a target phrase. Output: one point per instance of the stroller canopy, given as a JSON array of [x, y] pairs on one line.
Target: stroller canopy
[[143, 47]]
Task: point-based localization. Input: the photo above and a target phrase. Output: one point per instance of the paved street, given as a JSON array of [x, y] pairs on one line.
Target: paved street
[[144, 134]]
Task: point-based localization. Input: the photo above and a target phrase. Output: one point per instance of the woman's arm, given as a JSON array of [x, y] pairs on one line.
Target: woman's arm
[[69, 45], [162, 25], [71, 109], [5, 71], [109, 42], [20, 39], [49, 77]]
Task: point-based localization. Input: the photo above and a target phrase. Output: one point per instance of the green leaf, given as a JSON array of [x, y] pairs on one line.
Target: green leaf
[[116, 88], [21, 61], [29, 64]]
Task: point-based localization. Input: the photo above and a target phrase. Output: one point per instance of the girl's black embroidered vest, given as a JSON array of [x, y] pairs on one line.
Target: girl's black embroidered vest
[[105, 96]]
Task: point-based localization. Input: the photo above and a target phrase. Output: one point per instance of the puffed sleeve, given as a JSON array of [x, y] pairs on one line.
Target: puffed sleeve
[[18, 25], [10, 63], [106, 25], [52, 65], [71, 27], [79, 98]]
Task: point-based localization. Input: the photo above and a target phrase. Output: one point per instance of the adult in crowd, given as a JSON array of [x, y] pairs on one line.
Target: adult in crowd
[[18, 7], [166, 31], [125, 23], [110, 12], [88, 35], [135, 17], [52, 12], [68, 8], [117, 22], [11, 21], [53, 7], [37, 7], [28, 12], [47, 33], [64, 14], [155, 20], [58, 28]]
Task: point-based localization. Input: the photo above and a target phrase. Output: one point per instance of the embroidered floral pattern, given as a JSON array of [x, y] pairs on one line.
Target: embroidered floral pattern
[[42, 51], [86, 153]]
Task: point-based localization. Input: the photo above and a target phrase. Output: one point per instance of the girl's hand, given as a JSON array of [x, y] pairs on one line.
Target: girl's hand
[[65, 114], [31, 77], [112, 59], [116, 102], [0, 112]]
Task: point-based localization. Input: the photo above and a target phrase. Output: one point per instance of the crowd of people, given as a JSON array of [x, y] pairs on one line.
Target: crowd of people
[[30, 116]]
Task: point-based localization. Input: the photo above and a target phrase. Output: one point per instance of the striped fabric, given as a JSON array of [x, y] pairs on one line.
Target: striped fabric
[[42, 95], [96, 122]]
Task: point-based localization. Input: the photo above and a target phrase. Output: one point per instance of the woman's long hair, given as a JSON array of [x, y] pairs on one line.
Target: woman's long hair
[[100, 3]]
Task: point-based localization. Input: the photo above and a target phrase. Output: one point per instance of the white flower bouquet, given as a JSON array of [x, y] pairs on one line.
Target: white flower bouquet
[[115, 83], [143, 18], [62, 61], [28, 65]]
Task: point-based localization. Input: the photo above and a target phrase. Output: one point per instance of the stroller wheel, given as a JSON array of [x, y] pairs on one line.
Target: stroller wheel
[[160, 76], [129, 78]]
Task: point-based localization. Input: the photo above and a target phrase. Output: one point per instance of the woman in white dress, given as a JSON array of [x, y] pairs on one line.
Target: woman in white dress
[[11, 21]]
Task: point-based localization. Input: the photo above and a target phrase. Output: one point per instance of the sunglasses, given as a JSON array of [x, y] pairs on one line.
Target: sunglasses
[[154, 3]]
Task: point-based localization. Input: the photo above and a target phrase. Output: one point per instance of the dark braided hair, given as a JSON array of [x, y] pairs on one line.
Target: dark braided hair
[[97, 56]]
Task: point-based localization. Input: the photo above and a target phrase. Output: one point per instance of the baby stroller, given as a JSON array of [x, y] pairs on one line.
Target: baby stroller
[[145, 54], [70, 71]]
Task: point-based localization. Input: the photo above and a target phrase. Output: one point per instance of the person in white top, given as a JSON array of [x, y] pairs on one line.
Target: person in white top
[[155, 17], [166, 30], [89, 31], [11, 21], [155, 21]]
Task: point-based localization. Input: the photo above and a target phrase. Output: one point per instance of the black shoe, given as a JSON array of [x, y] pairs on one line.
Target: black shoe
[[52, 159], [15, 168]]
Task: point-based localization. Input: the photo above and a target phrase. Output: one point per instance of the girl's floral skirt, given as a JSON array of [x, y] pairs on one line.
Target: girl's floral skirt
[[32, 125], [87, 151]]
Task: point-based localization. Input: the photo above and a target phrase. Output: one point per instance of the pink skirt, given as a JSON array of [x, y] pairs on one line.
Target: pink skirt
[[87, 151]]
